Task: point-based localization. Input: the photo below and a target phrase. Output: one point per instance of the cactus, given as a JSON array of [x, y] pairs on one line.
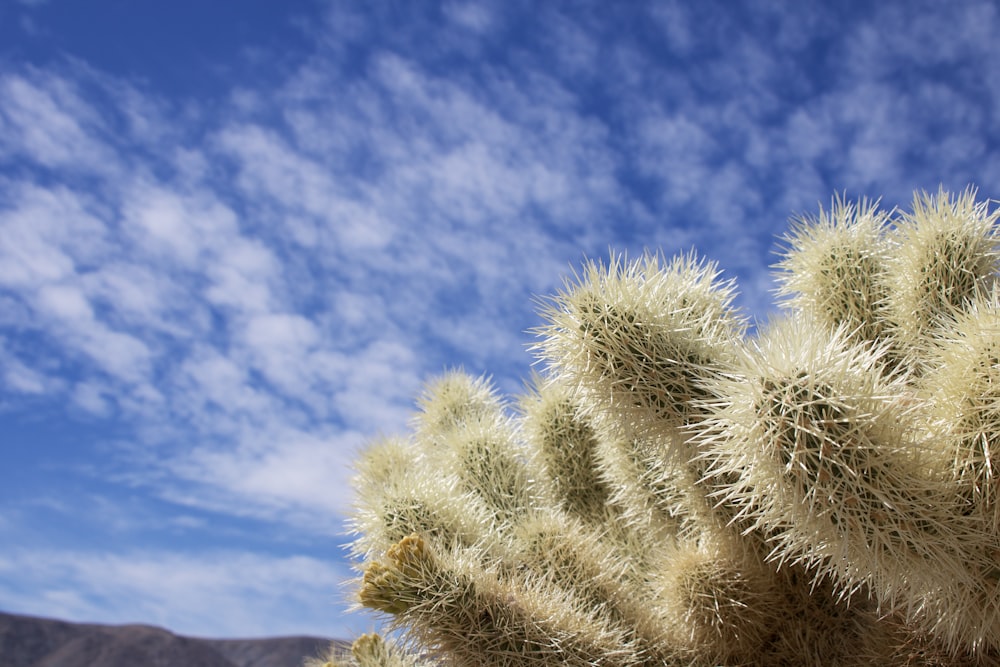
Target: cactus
[[678, 488]]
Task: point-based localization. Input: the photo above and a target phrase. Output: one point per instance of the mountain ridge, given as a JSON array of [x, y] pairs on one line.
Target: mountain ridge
[[30, 641]]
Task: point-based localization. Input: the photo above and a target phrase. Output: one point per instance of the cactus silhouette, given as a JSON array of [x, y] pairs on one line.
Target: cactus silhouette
[[678, 488]]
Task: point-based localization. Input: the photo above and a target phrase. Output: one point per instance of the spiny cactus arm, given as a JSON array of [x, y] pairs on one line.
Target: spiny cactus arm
[[641, 476], [624, 486], [946, 254], [818, 626], [373, 650], [833, 268], [454, 401], [718, 599], [463, 431], [717, 608], [397, 493], [474, 615], [904, 645], [487, 461], [564, 444], [639, 339], [961, 391], [335, 656], [638, 343], [573, 555], [605, 570]]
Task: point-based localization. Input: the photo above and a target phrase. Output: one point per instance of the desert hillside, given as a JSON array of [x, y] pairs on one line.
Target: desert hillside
[[27, 641]]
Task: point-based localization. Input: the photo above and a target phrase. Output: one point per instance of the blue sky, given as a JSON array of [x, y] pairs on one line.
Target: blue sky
[[235, 237]]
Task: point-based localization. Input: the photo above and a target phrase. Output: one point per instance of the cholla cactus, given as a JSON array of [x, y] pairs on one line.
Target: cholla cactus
[[675, 491]]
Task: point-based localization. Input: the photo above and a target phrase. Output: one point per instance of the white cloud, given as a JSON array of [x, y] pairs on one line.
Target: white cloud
[[93, 398], [44, 234], [243, 274], [281, 332], [64, 302], [71, 320], [209, 380], [20, 378], [680, 150], [208, 594], [281, 346], [137, 295], [675, 21], [389, 369], [177, 226], [45, 120], [474, 16], [284, 475], [269, 166]]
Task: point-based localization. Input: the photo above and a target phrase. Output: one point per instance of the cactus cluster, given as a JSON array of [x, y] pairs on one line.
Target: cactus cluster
[[678, 487]]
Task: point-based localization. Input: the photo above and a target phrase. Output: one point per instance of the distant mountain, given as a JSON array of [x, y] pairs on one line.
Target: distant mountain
[[26, 641]]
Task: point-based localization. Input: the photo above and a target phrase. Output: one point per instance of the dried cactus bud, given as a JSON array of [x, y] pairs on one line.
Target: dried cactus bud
[[372, 650], [395, 583]]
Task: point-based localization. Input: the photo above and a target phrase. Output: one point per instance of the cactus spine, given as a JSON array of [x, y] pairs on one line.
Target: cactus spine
[[674, 490]]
